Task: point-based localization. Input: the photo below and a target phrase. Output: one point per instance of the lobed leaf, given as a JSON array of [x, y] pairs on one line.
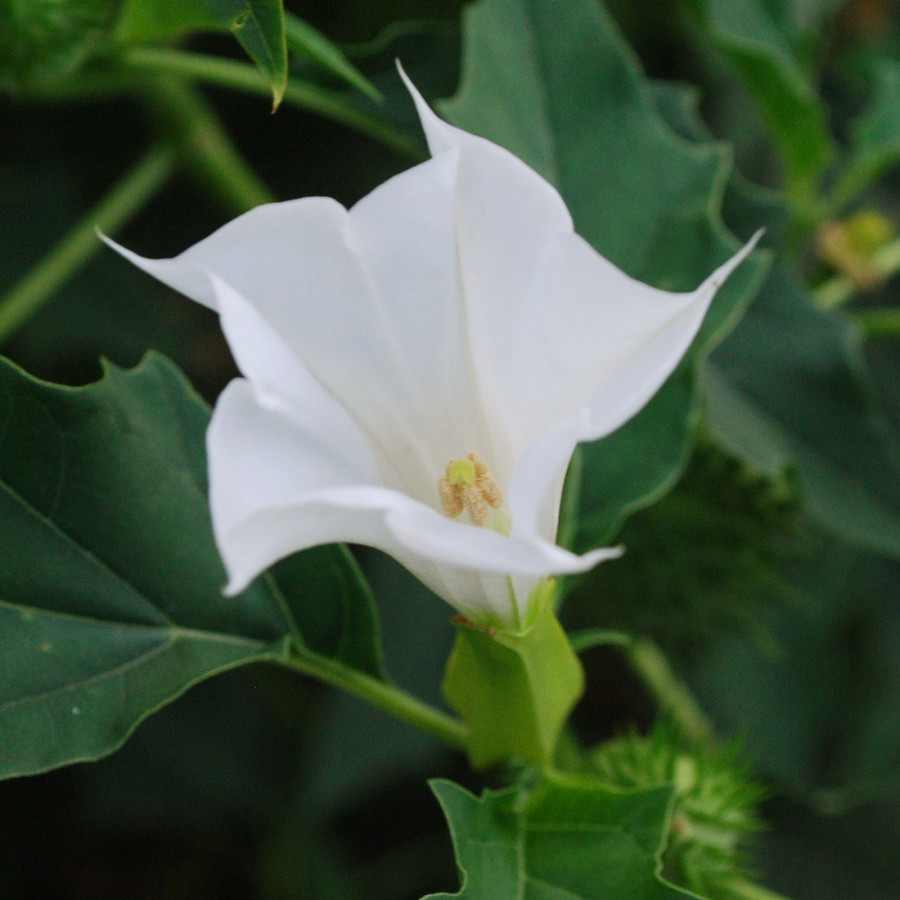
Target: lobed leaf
[[110, 582], [790, 387], [570, 838]]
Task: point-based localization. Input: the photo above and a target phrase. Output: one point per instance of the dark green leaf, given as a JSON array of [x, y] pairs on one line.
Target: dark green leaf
[[45, 40], [638, 464], [110, 583], [568, 839], [307, 42], [332, 606], [259, 26], [790, 388], [875, 136], [553, 81], [338, 771], [761, 52], [823, 712]]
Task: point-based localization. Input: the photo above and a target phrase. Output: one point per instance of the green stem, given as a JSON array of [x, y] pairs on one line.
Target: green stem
[[599, 637], [740, 889], [653, 668], [384, 696], [806, 213], [671, 693], [839, 289], [27, 296], [204, 146], [879, 323], [245, 77]]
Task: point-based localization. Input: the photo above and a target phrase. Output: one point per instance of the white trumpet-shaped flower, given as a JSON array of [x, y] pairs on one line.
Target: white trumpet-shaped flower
[[418, 370]]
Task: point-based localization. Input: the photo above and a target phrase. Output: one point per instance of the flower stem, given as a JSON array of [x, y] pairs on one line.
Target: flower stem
[[204, 146], [27, 296], [651, 665], [384, 696], [599, 637], [90, 86], [245, 77], [839, 289]]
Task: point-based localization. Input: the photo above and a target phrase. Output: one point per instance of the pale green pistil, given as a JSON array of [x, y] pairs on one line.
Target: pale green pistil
[[461, 473], [469, 485]]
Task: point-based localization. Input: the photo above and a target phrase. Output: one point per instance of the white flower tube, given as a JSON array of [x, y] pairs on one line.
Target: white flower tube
[[418, 370]]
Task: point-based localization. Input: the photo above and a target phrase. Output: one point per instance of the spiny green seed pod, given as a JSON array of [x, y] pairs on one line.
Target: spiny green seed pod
[[714, 807]]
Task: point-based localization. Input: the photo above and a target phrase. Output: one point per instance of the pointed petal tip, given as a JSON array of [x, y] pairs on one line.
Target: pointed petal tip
[[750, 246], [107, 240], [413, 90], [407, 81], [132, 257], [233, 588], [239, 581], [602, 554], [437, 132], [717, 279]]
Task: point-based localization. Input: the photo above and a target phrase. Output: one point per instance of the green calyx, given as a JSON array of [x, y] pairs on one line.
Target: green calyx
[[514, 690]]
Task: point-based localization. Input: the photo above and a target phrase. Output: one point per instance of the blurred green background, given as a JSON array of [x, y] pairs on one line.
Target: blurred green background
[[251, 786]]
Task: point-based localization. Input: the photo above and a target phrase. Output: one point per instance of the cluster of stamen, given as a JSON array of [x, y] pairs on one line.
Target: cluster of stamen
[[469, 485]]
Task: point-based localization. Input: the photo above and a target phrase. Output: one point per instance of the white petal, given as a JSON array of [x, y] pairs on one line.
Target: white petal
[[278, 379], [603, 340], [655, 357], [369, 300], [404, 232], [277, 486], [453, 310], [551, 322], [506, 216], [655, 339], [263, 460], [477, 569]]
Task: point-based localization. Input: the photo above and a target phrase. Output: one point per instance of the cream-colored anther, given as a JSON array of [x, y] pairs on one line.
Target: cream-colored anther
[[451, 498], [485, 483], [469, 485]]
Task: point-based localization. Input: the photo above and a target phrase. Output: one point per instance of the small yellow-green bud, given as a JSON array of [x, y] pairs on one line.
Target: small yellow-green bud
[[868, 230]]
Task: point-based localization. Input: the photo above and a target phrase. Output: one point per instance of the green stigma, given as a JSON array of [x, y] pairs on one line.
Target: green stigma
[[461, 472]]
